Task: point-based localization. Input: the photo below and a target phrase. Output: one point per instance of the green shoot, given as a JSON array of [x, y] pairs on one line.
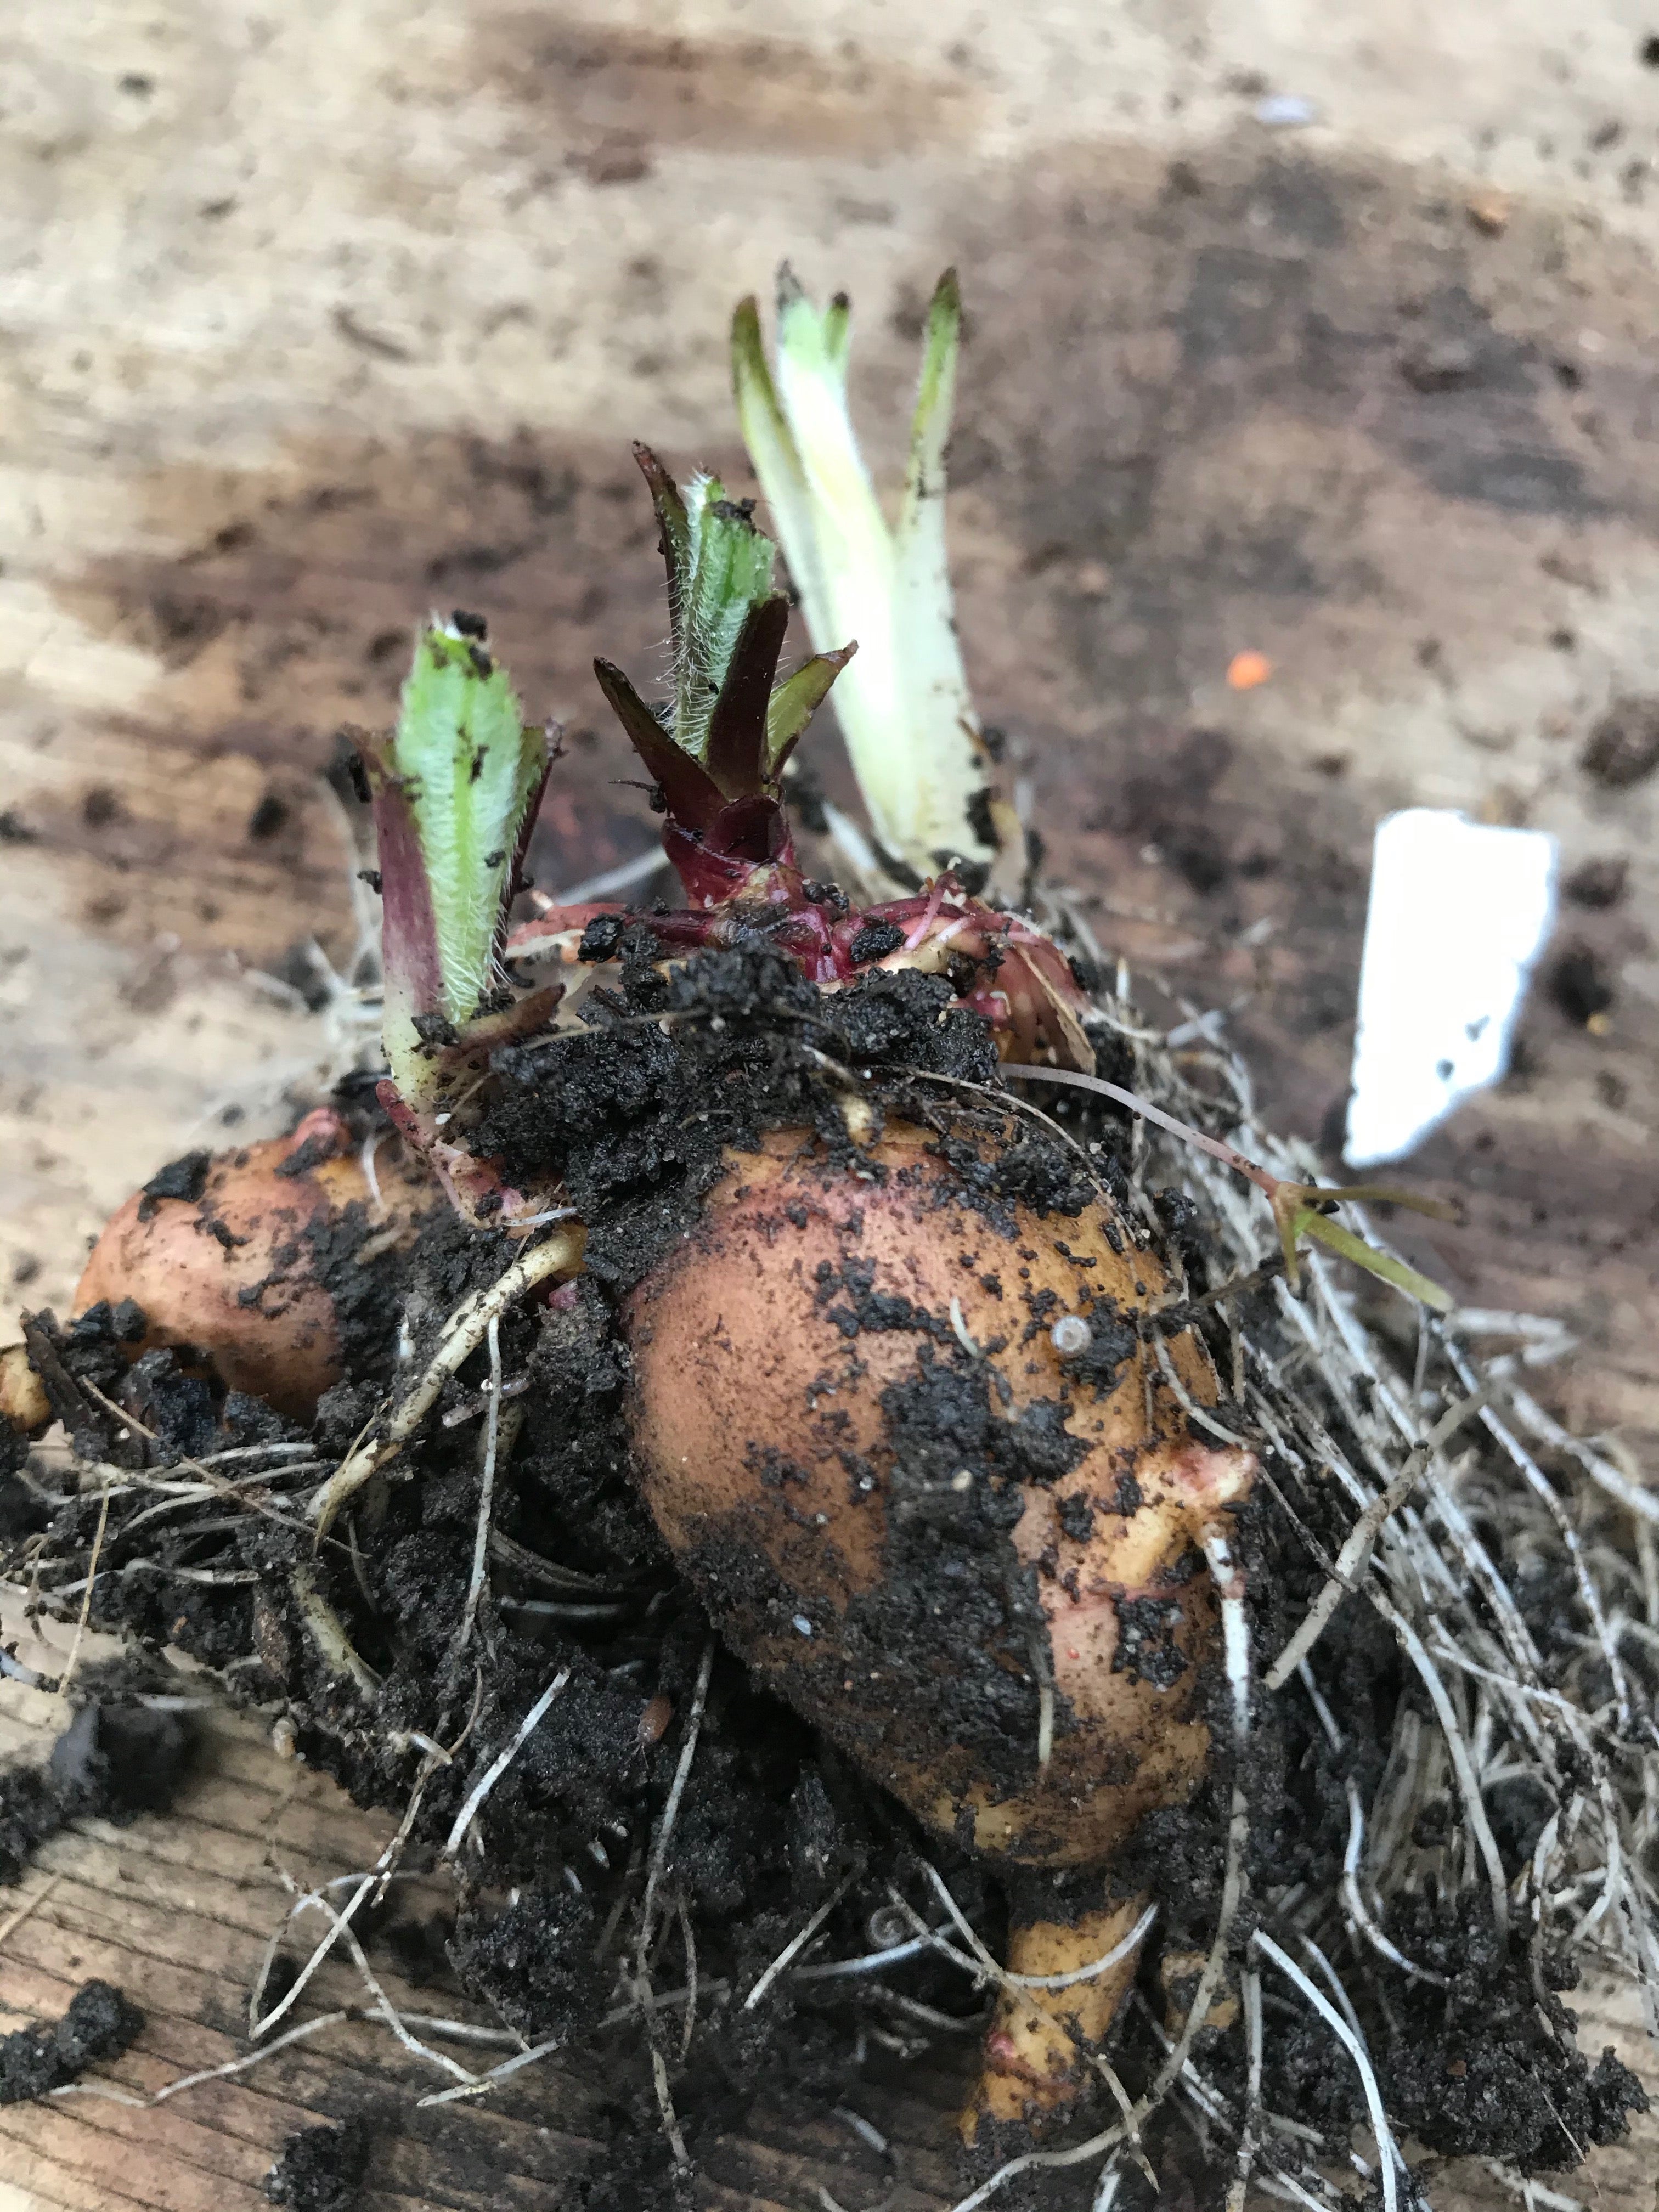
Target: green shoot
[[730, 725], [454, 788], [904, 707]]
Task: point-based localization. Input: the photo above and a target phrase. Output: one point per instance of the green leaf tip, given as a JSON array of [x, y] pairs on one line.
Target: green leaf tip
[[454, 785], [1301, 1210]]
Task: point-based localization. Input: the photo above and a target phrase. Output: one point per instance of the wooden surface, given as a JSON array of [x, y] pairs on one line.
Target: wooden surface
[[314, 317], [177, 1911]]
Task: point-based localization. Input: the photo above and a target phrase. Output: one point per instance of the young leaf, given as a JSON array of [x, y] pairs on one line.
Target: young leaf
[[716, 751], [772, 449], [693, 796], [730, 571], [1376, 1262], [736, 753], [797, 699], [453, 786], [853, 561], [948, 754], [904, 707], [838, 334], [1299, 1210], [675, 529], [471, 770]]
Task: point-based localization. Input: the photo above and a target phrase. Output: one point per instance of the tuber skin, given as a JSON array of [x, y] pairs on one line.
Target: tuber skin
[[1030, 2061], [237, 1273], [25, 1408], [734, 1341], [904, 1535]]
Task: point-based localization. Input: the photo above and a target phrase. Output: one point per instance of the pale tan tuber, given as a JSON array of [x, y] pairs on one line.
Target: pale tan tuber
[[908, 1436], [24, 1406], [251, 1272]]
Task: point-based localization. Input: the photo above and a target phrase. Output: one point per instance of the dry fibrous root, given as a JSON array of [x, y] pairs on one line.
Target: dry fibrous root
[[879, 1515]]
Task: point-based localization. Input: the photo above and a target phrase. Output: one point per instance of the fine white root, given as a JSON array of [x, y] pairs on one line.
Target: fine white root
[[479, 2083], [1387, 2151], [1353, 1558], [1634, 1496], [67, 1674], [641, 1975], [984, 1968], [1468, 1781], [337, 1925], [872, 1962], [498, 1766], [327, 1632], [677, 1791], [486, 1485], [482, 2083], [1045, 1682], [1359, 1917], [30, 1677], [793, 1949], [1235, 1622], [242, 2065], [1533, 2194], [1238, 2188], [1105, 2196], [317, 1900], [468, 1326]]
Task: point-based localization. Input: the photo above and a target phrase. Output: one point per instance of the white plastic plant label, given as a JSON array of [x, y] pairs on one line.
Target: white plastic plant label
[[1459, 914]]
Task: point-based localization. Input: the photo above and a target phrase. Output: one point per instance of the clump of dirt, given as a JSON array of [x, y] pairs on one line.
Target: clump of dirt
[[100, 2023], [114, 1761], [319, 2170]]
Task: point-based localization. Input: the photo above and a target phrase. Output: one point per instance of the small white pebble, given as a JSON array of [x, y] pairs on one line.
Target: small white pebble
[[284, 1737], [803, 1624], [1070, 1335]]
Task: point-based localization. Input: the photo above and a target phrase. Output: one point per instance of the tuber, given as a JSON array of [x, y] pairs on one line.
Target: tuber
[[255, 1259], [906, 1435]]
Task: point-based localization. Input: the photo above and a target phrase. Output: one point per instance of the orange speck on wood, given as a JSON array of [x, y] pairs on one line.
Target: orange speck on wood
[[1246, 670]]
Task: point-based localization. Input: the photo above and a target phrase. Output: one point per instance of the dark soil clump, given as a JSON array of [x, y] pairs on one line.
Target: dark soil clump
[[321, 2170], [112, 1762], [99, 2024]]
